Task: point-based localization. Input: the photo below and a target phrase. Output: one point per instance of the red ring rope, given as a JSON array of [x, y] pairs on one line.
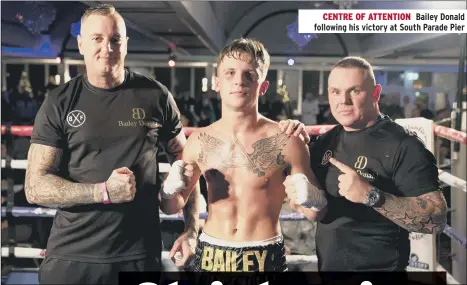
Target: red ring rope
[[315, 130]]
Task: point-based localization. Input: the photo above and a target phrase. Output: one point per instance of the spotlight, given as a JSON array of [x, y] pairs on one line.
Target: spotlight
[[291, 61], [172, 56]]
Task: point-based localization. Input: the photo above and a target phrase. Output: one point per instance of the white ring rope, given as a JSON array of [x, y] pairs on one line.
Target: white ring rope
[[452, 180], [16, 164], [37, 253], [444, 176], [27, 252], [50, 212]]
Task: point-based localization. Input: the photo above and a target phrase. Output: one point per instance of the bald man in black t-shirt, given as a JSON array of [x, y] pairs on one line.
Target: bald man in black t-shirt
[[94, 153], [381, 181]]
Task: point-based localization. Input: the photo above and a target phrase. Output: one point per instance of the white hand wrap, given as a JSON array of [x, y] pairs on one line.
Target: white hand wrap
[[308, 195], [175, 182]]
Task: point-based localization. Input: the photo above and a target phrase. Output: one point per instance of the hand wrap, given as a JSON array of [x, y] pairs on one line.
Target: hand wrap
[[175, 182], [308, 195]]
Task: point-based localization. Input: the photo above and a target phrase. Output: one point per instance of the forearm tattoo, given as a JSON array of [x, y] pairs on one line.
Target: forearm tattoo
[[424, 214], [45, 188], [267, 153]]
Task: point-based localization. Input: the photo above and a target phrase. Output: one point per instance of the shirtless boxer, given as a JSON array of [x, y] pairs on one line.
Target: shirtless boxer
[[244, 158]]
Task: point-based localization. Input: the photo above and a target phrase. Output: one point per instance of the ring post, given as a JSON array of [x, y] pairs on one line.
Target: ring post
[[422, 246], [458, 201]]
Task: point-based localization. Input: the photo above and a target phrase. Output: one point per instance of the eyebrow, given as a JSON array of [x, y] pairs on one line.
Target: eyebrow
[[231, 68], [98, 34], [351, 87]]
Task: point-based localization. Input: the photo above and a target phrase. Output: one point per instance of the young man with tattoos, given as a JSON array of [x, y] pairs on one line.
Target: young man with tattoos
[[381, 182], [93, 154], [244, 158]]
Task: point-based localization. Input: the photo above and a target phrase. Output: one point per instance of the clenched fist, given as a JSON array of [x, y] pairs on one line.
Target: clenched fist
[[121, 186], [179, 178], [302, 193]]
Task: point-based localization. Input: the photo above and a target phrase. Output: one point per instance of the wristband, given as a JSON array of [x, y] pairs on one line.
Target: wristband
[[105, 193]]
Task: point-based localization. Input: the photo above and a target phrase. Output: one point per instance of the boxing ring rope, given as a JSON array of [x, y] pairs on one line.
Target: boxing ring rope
[[23, 252], [26, 252], [284, 216], [444, 176], [37, 253], [44, 212], [316, 130]]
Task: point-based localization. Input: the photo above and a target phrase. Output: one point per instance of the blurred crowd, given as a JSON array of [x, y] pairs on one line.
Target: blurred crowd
[[21, 103]]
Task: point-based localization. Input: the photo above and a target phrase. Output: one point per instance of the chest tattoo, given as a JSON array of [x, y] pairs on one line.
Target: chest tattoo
[[266, 154]]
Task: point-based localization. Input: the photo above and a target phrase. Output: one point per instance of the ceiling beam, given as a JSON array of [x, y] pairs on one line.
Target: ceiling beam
[[412, 5], [200, 18], [272, 7], [305, 63], [379, 45], [145, 32], [17, 35]]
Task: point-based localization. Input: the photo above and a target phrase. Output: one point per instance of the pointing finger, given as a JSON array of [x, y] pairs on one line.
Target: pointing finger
[[342, 167]]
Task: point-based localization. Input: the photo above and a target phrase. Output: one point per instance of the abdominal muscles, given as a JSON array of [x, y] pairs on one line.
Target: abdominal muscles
[[243, 206]]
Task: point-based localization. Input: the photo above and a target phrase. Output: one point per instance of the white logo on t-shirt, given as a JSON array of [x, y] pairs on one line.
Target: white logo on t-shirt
[[75, 118]]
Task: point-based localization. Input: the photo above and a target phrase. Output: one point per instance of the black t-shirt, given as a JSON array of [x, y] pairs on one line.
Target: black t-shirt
[[355, 237], [101, 130]]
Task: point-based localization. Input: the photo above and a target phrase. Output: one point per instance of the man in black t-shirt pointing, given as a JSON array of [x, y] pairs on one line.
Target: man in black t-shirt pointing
[[93, 154], [381, 181]]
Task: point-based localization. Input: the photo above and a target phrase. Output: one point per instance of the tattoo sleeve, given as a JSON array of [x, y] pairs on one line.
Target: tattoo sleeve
[[424, 214], [44, 187]]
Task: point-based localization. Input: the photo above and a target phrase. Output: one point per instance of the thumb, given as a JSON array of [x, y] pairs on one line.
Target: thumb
[[174, 249], [179, 163], [185, 256], [341, 166], [288, 181]]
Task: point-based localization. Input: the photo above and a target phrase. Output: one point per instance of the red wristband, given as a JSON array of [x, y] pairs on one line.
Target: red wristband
[[105, 193]]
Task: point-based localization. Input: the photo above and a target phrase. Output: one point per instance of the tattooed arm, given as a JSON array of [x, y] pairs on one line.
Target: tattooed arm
[[188, 200], [44, 187], [423, 214], [422, 209]]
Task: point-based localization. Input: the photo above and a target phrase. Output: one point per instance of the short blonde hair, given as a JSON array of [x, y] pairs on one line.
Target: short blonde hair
[[102, 10], [251, 47]]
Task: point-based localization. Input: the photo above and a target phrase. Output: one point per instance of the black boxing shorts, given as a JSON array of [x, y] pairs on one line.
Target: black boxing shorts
[[214, 255]]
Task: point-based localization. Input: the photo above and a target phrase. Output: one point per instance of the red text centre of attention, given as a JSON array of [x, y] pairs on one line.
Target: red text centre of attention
[[371, 16]]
